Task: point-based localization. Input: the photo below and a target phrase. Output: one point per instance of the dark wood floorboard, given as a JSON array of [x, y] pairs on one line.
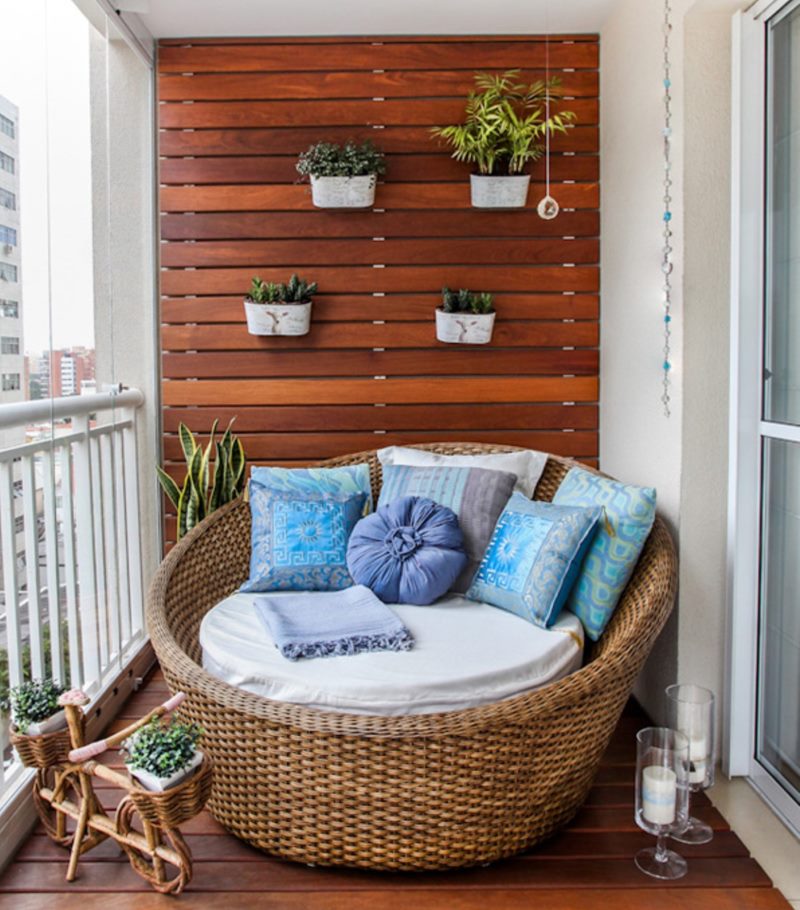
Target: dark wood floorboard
[[588, 865]]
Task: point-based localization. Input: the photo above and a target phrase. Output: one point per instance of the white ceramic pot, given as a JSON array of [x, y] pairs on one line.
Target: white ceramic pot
[[343, 192], [464, 328], [55, 722], [277, 318], [159, 784], [499, 192]]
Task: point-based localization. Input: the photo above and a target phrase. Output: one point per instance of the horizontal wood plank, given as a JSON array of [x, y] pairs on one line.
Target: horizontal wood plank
[[469, 55], [341, 112], [392, 307], [293, 140], [220, 253], [418, 418], [403, 168], [317, 85], [430, 390], [280, 197], [321, 224], [355, 279], [345, 335]]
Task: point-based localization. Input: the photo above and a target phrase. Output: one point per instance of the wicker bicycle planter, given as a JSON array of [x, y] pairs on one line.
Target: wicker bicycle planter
[[171, 808], [429, 791], [42, 750]]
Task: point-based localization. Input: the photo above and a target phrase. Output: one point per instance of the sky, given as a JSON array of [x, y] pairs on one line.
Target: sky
[[57, 289]]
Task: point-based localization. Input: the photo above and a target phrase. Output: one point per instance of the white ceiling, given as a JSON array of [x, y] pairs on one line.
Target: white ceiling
[[221, 18]]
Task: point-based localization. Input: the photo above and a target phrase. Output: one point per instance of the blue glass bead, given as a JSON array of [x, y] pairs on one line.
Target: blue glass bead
[[667, 216], [667, 365], [668, 319], [667, 83]]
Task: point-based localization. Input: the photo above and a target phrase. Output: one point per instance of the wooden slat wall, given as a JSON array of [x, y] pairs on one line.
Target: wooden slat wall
[[234, 114]]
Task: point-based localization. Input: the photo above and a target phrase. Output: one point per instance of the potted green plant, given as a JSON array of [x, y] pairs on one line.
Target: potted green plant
[[201, 493], [505, 127], [279, 309], [465, 317], [35, 709], [342, 176], [161, 755]]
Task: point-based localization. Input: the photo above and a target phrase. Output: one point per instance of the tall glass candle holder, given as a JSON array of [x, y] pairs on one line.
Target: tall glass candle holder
[[662, 797], [690, 709]]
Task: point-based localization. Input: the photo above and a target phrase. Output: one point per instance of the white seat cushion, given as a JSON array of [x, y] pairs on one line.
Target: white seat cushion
[[465, 654]]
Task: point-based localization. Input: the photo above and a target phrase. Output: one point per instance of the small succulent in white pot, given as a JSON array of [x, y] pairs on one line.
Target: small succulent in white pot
[[35, 707], [465, 317], [162, 755], [279, 309], [342, 176]]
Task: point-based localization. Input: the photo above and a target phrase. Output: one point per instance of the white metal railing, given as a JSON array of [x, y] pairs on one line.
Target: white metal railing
[[72, 606]]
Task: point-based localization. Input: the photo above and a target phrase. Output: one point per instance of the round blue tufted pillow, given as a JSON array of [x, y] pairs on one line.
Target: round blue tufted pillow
[[410, 551]]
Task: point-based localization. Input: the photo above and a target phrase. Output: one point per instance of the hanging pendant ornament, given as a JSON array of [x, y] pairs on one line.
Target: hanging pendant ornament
[[548, 208], [666, 255]]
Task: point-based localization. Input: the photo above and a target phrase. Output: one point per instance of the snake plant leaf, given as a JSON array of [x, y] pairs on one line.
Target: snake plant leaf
[[197, 502], [206, 458], [220, 467], [183, 505], [169, 486], [237, 464], [188, 442]]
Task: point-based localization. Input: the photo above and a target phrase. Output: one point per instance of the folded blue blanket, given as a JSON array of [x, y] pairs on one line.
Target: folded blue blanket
[[332, 623]]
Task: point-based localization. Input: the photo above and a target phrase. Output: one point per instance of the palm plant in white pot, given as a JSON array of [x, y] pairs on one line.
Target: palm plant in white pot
[[342, 176], [505, 127]]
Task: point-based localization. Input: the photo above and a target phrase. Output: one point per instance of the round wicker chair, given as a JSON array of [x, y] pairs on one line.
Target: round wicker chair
[[429, 791]]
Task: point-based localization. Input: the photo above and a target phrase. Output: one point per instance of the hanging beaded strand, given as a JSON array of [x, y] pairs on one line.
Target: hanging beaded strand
[[666, 261]]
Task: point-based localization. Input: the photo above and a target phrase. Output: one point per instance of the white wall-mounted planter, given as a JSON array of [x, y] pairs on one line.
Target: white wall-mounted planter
[[464, 328], [492, 192], [159, 784], [55, 722], [343, 192], [277, 318]]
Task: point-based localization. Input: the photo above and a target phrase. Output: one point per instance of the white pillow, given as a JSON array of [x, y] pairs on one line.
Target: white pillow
[[526, 465]]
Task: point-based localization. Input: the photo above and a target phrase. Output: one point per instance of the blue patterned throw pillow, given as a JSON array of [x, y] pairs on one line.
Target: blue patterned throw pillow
[[299, 541], [533, 558], [476, 495], [628, 515], [353, 478]]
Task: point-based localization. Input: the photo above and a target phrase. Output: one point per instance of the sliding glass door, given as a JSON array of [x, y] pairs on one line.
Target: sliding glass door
[[777, 742]]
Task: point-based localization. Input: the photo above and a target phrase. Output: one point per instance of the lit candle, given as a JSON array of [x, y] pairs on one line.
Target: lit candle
[[691, 722], [659, 791]]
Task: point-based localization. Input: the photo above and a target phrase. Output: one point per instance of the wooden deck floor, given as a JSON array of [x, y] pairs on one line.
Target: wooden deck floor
[[587, 866]]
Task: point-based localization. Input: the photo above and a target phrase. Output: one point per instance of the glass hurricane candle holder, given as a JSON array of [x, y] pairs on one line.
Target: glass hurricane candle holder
[[662, 797], [690, 709]]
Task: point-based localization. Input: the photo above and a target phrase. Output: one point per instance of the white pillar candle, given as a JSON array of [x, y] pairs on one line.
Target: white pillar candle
[[659, 790]]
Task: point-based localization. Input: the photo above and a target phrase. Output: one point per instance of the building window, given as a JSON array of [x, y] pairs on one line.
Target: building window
[[8, 200], [9, 345], [8, 235], [7, 126], [6, 163], [8, 272], [10, 382], [9, 308]]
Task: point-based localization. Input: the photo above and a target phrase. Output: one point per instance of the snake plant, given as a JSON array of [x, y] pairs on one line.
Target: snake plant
[[200, 495], [505, 124]]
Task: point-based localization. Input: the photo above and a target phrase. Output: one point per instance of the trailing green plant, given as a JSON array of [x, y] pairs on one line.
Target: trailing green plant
[[506, 123], [296, 290], [27, 663], [465, 301], [163, 749], [200, 494], [264, 291], [328, 159], [34, 701]]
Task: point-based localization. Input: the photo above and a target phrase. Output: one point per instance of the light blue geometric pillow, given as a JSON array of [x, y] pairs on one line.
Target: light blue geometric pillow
[[299, 541], [317, 481], [628, 515], [533, 558]]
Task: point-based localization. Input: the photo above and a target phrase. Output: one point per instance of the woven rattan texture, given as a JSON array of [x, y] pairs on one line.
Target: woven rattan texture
[[172, 807], [41, 751], [417, 792]]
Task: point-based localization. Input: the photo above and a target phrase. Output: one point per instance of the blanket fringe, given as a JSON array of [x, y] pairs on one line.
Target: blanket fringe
[[353, 644]]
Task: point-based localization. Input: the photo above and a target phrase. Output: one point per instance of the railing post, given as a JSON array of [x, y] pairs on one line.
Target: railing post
[[87, 578], [131, 471], [11, 591], [51, 558]]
